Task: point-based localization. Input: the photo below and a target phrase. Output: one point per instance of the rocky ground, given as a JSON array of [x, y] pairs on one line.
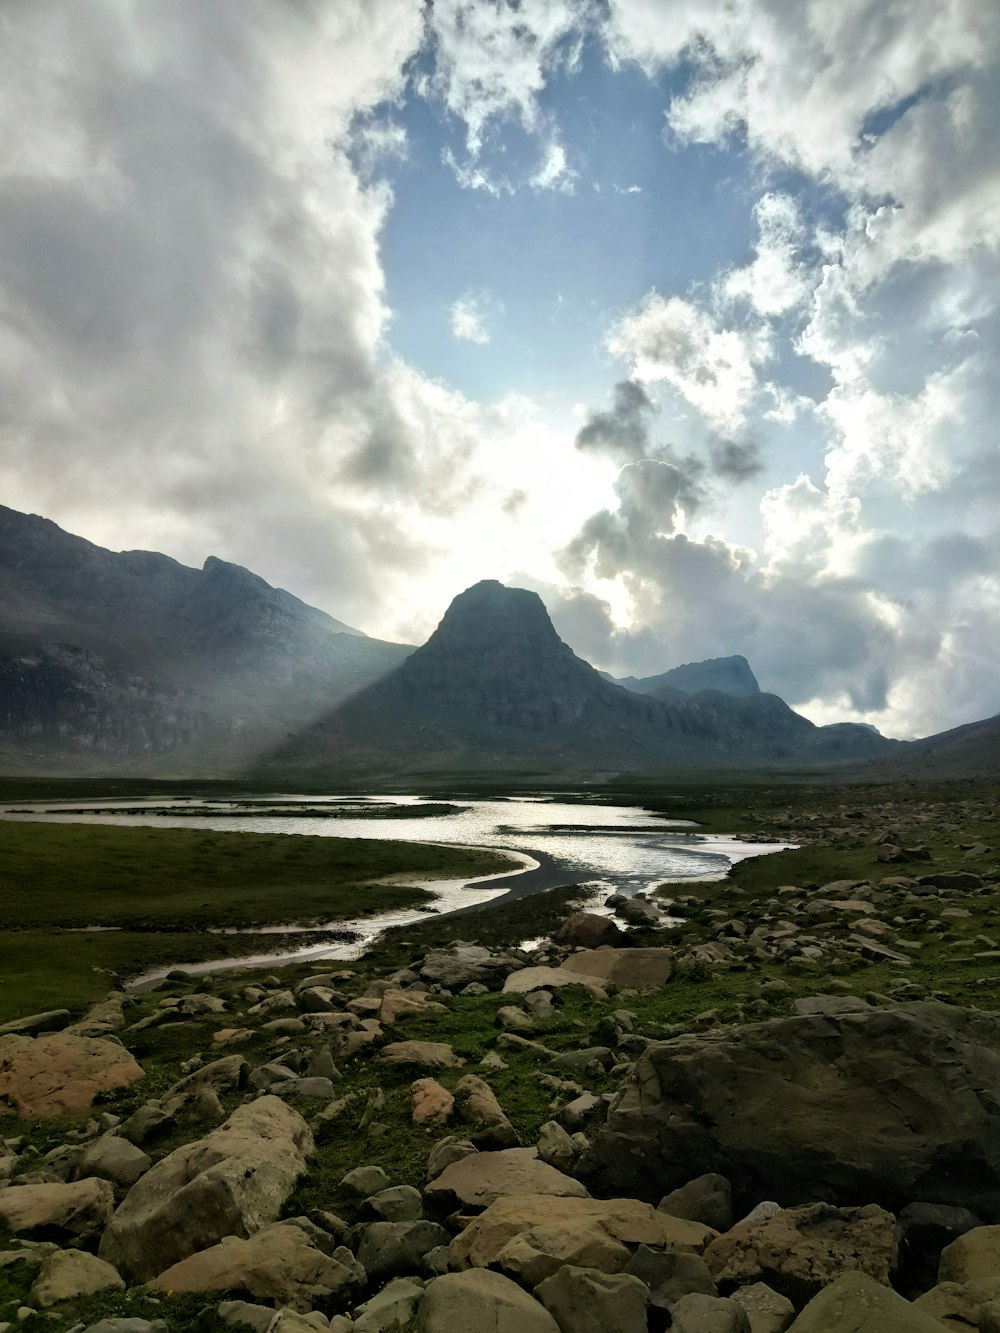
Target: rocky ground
[[768, 1103]]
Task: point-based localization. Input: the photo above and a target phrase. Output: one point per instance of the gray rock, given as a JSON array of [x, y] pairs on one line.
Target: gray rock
[[767, 1311], [365, 1180], [391, 1309], [147, 1124], [555, 1147], [69, 1274], [481, 1300], [854, 1303], [709, 1314], [127, 1325], [243, 1314], [398, 1203], [583, 1300], [838, 1106], [707, 1199], [446, 1151], [115, 1159], [229, 1183], [476, 1181], [394, 1249], [671, 1274], [53, 1020]]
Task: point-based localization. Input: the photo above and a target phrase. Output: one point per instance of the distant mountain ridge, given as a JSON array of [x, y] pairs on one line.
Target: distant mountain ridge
[[111, 658], [728, 675], [495, 686]]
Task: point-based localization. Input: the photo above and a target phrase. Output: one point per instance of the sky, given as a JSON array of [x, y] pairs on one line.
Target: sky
[[683, 313]]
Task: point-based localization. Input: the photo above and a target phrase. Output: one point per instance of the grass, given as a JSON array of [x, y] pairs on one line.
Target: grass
[[160, 890]]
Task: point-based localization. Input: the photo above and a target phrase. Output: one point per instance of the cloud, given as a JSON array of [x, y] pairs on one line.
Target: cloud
[[623, 432], [468, 317], [554, 172]]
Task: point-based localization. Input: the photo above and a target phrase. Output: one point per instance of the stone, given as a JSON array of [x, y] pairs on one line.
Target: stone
[[958, 1304], [188, 1094], [476, 1181], [68, 1274], [392, 1308], [707, 1199], [398, 1203], [766, 1310], [58, 1072], [639, 969], [397, 1004], [278, 1263], [431, 1104], [76, 1213], [582, 1300], [708, 1314], [113, 1158], [52, 1020], [127, 1325], [854, 1303], [803, 1249], [394, 1249], [927, 1229], [246, 1315], [230, 1183], [834, 1106], [445, 1151], [555, 1147], [671, 1274], [477, 1106], [549, 978], [364, 1181], [974, 1255], [587, 930], [149, 1122], [419, 1055], [531, 1236], [481, 1300]]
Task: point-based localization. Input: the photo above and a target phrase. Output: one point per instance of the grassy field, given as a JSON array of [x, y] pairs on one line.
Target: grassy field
[[157, 891]]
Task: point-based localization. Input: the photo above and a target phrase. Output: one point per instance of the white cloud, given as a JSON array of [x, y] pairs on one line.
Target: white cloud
[[554, 172], [775, 280], [469, 317], [713, 367]]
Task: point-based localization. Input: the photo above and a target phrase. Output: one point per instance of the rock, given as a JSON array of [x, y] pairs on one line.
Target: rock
[[68, 1274], [445, 1151], [708, 1314], [476, 1181], [640, 969], [766, 1310], [583, 1300], [397, 1004], [419, 1055], [959, 1305], [394, 1307], [838, 1106], [394, 1249], [481, 1300], [803, 1249], [829, 1004], [555, 1147], [149, 1122], [75, 1213], [223, 1075], [321, 1089], [245, 1315], [854, 1303], [127, 1325], [927, 1229], [431, 1104], [477, 1105], [707, 1199], [671, 1274], [45, 1076], [549, 978], [398, 1203], [587, 930], [974, 1255], [230, 1183], [364, 1181], [113, 1158], [53, 1020], [278, 1263], [531, 1236]]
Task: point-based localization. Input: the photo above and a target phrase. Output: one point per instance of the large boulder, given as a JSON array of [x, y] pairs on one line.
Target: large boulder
[[481, 1300], [478, 1179], [640, 969], [886, 1105], [230, 1183], [587, 930], [279, 1263], [800, 1250], [855, 1303], [68, 1274], [583, 1300], [45, 1076], [70, 1214], [533, 1236]]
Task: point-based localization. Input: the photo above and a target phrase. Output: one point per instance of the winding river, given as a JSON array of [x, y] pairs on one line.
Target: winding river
[[612, 849]]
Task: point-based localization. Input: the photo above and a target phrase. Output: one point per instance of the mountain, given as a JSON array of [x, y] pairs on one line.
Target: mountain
[[131, 660], [969, 751], [496, 688], [728, 675]]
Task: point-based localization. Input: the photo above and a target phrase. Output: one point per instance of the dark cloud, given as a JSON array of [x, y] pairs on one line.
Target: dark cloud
[[623, 432], [732, 460]]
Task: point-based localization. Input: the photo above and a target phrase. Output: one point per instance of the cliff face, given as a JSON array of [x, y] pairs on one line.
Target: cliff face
[[495, 685], [131, 660]]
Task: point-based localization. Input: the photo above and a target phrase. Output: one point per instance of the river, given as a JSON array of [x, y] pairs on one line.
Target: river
[[613, 849]]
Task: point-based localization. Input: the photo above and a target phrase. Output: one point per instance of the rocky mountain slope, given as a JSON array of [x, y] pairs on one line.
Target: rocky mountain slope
[[133, 660], [496, 688], [727, 675]]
